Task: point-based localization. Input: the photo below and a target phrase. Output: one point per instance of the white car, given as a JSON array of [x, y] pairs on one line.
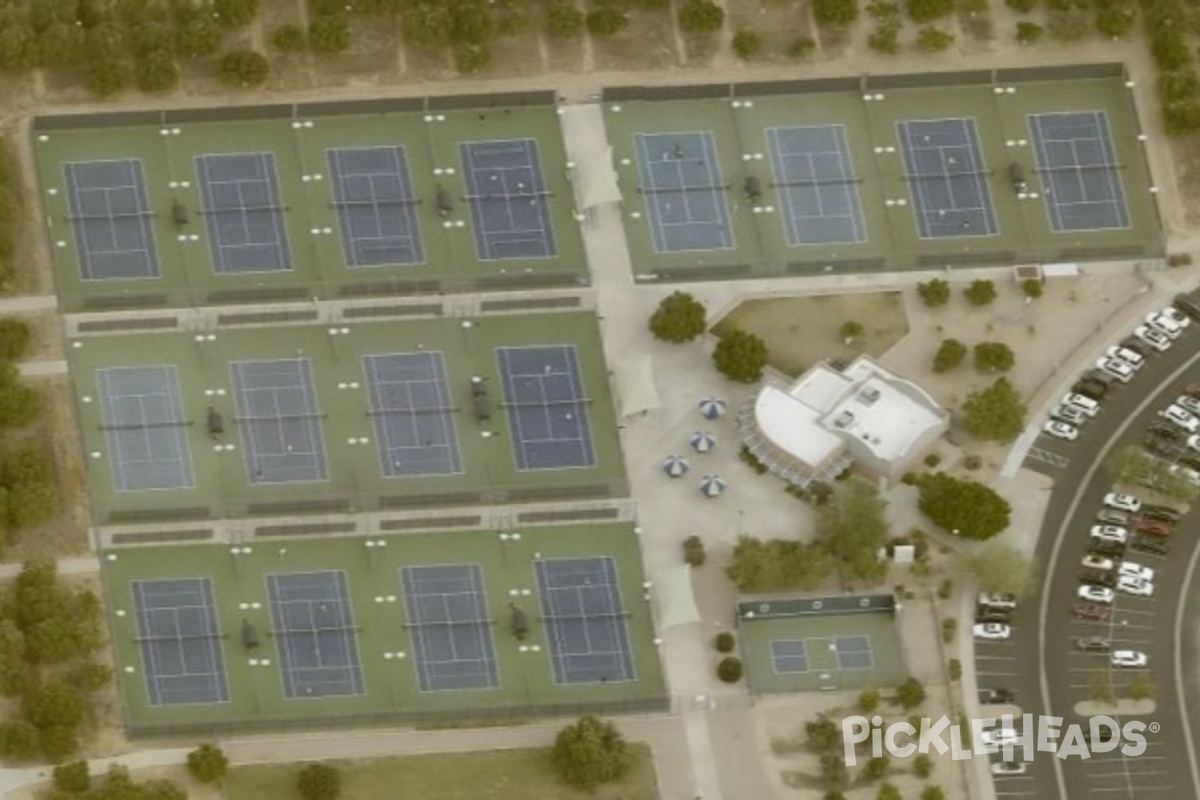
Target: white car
[[1128, 658], [1101, 563], [1096, 594], [1189, 475], [1123, 502], [1181, 417], [1135, 570], [1135, 586], [998, 737], [992, 630], [1153, 337], [1061, 430], [1069, 414], [1193, 441], [1006, 601], [1189, 403], [1117, 368], [1163, 323], [1110, 533], [1085, 404], [1131, 358], [1175, 315], [1009, 767]]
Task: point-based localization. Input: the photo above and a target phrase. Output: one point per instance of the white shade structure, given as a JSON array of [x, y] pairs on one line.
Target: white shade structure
[[675, 466], [702, 441], [712, 408], [712, 485]]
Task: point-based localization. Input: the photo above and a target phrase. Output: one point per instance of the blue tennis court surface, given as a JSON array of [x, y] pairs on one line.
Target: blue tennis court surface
[[414, 419], [684, 191], [815, 178], [280, 421], [243, 212], [447, 614], [547, 409], [376, 207], [508, 199], [585, 621], [1079, 170], [945, 169], [142, 416], [180, 640], [110, 216], [314, 627], [789, 656]]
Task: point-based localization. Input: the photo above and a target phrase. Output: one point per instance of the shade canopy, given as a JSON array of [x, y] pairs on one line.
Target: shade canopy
[[712, 407], [675, 466], [635, 386], [712, 485], [702, 441]]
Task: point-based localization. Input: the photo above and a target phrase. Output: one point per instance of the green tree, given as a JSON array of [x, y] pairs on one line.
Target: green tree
[[955, 669], [428, 24], [1133, 465], [52, 641], [106, 75], [18, 48], [833, 771], [747, 44], [868, 700], [822, 734], [995, 413], [156, 72], [875, 769], [949, 355], [319, 782], [18, 740], [1181, 116], [243, 68], [835, 12], [1070, 25], [74, 777], [288, 38], [90, 676], [31, 503], [1029, 32], [1022, 6], [923, 765], [54, 705], [776, 565], [1032, 288], [934, 40], [235, 13], [701, 16], [680, 317], [693, 551], [994, 357], [198, 37], [928, 10], [963, 507], [13, 670], [933, 793], [207, 763], [60, 45], [15, 335], [162, 790], [606, 21], [148, 36], [58, 742], [740, 356], [39, 596], [472, 23], [590, 752], [563, 20], [329, 34], [911, 693], [1179, 84], [888, 791], [724, 642], [853, 529], [885, 38], [999, 568], [980, 293], [106, 39], [801, 47], [850, 330], [934, 293], [729, 670], [1169, 49]]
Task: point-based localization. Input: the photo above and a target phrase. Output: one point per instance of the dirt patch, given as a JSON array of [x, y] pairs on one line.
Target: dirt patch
[[801, 331], [778, 24], [647, 43], [519, 54], [178, 775]]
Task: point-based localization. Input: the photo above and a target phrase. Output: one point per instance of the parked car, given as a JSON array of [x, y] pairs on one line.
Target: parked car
[[1189, 460], [1181, 417], [1153, 337], [1153, 527], [1150, 545], [1128, 658], [1135, 586], [1061, 430], [1136, 570], [1165, 430], [992, 630], [1189, 304], [1091, 612], [1007, 601], [1162, 512], [1133, 359], [1085, 404], [1096, 594], [1095, 577], [1069, 414], [985, 614], [1092, 644], [1109, 549], [1173, 314], [1088, 387], [1099, 562], [1123, 502], [997, 696], [1164, 323], [1110, 533], [1110, 516], [1117, 368], [1188, 474], [1136, 345], [1009, 767], [1188, 403], [999, 737]]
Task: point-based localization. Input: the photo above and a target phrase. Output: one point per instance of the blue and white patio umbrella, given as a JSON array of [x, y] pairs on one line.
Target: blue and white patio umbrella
[[712, 485], [702, 441], [712, 408], [675, 466]]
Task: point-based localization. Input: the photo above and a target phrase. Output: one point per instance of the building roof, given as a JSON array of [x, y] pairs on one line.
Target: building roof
[[794, 427]]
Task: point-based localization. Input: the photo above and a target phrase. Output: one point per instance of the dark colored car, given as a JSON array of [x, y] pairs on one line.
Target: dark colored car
[[1107, 549], [1153, 527], [985, 614], [997, 696], [1189, 304], [1097, 578], [1165, 513], [1100, 376], [1111, 516], [1092, 644], [1091, 389], [1091, 611], [1189, 460], [1160, 447], [1150, 544], [1165, 430]]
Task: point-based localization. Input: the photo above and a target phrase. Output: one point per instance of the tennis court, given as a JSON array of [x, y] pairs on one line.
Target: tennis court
[[947, 177], [377, 209], [110, 214], [684, 191], [280, 421], [144, 427], [244, 212], [547, 407], [508, 198], [414, 414], [313, 623], [816, 181], [585, 620], [791, 656], [180, 641], [451, 630], [1082, 179]]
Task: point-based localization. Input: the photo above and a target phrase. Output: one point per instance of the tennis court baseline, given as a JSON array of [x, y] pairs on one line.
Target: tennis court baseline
[[110, 216], [243, 212], [815, 177], [585, 620], [1076, 158], [547, 408], [143, 420], [508, 199], [180, 640], [314, 626], [448, 619], [681, 180], [280, 420], [376, 208], [945, 170], [414, 420]]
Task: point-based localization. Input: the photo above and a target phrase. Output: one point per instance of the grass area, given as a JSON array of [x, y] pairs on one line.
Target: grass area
[[800, 331], [486, 775]]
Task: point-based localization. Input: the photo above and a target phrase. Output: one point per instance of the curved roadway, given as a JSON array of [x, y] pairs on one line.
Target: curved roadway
[[1040, 661]]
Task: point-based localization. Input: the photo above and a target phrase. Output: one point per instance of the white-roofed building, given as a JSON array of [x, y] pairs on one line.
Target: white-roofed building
[[830, 419]]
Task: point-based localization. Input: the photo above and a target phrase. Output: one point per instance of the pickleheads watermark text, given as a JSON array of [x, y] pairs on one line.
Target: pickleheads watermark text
[[1006, 734]]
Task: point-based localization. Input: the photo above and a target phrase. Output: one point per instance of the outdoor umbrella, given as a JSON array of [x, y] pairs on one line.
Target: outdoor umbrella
[[675, 466], [712, 407], [702, 441], [712, 485]]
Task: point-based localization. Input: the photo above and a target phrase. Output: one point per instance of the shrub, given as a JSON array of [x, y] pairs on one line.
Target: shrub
[[288, 39], [911, 694], [885, 38], [563, 20], [1169, 49], [724, 642], [106, 75], [1179, 84], [199, 36], [74, 777], [922, 764], [932, 460], [1032, 288], [875, 769], [945, 589], [235, 13], [934, 40], [740, 356], [680, 317], [1182, 116], [801, 47], [949, 629], [1021, 6], [995, 413], [730, 669], [934, 293], [701, 16], [471, 58], [243, 68], [329, 34], [851, 330], [319, 782], [207, 763], [1029, 33], [747, 44], [994, 357], [980, 293], [955, 670], [835, 12], [590, 752], [693, 551], [868, 700], [156, 71], [14, 338], [606, 21], [928, 10], [949, 355]]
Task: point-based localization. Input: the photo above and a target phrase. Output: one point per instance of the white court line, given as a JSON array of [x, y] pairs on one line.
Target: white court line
[[398, 155], [75, 207], [264, 163]]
